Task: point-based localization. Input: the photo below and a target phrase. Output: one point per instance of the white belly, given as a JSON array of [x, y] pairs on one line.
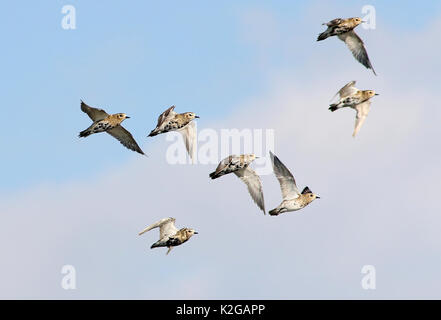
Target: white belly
[[292, 205]]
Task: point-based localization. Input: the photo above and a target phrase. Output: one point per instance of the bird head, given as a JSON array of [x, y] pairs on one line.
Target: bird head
[[371, 93], [190, 116], [122, 116], [311, 197], [356, 21], [189, 232], [308, 195]]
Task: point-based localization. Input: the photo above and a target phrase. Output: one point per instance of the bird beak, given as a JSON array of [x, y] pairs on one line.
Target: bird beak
[[196, 232], [377, 94], [127, 117], [362, 21], [317, 197], [197, 117]]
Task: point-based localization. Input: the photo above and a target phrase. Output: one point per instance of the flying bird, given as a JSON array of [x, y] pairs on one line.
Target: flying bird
[[103, 122], [169, 235], [239, 165], [344, 30], [293, 200], [358, 100], [169, 120]]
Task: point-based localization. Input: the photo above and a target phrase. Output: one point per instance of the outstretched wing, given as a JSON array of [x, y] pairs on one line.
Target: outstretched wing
[[165, 116], [362, 112], [166, 227], [94, 113], [125, 137], [189, 134], [356, 45], [286, 179], [254, 185]]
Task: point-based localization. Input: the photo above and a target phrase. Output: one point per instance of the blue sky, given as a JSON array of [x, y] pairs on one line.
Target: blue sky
[[138, 59], [222, 61]]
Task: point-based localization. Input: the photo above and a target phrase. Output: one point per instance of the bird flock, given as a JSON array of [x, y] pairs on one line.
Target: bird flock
[[169, 120]]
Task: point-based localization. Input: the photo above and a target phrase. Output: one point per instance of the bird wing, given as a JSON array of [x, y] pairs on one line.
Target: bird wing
[[252, 180], [94, 113], [333, 22], [362, 112], [167, 114], [348, 90], [125, 137], [189, 134], [224, 163], [356, 45], [286, 179], [166, 227]]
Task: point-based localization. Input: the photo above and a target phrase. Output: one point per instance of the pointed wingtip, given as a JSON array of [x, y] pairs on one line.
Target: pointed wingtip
[[262, 206]]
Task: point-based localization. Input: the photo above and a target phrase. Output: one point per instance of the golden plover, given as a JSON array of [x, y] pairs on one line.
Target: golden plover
[[344, 30], [169, 120], [358, 100], [169, 235], [239, 165], [103, 122], [293, 200]]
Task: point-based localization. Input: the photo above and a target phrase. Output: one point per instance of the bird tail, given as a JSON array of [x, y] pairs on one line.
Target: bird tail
[[158, 244], [333, 107], [153, 133], [323, 36], [274, 212], [84, 133], [215, 175]]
